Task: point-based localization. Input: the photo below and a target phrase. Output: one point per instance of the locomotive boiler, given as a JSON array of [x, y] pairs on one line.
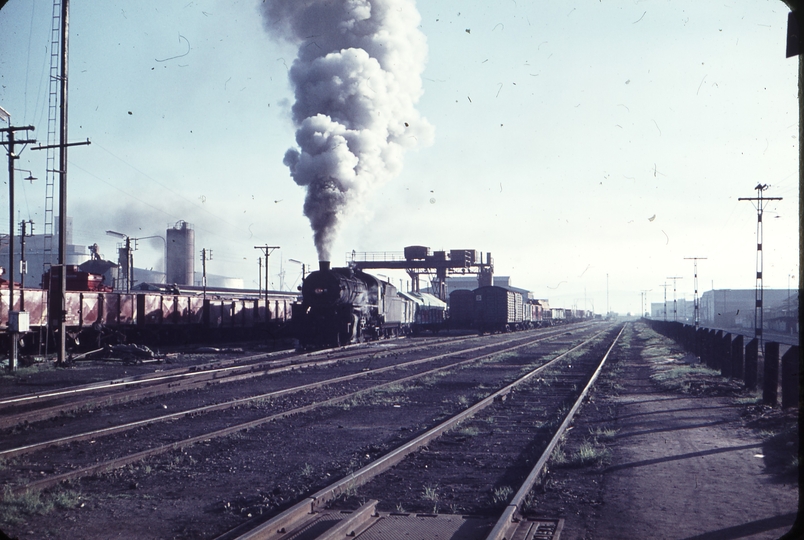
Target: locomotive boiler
[[345, 305]]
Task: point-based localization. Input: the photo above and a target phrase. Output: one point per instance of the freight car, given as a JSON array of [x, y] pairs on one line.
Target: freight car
[[489, 309], [461, 309], [498, 310], [430, 313], [345, 305], [165, 315]]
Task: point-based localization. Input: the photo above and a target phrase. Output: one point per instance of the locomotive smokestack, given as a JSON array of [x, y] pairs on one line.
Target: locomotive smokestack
[[323, 266], [357, 80]]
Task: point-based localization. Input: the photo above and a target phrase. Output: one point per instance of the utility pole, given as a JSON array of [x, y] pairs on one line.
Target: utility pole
[[758, 309], [13, 320], [645, 302], [259, 280], [57, 298], [695, 301], [206, 255], [267, 250], [665, 299], [675, 309]]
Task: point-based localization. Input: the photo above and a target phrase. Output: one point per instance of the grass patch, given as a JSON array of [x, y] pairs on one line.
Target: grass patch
[[502, 495], [19, 508], [589, 453], [468, 431], [431, 495], [603, 434], [680, 377], [755, 399]]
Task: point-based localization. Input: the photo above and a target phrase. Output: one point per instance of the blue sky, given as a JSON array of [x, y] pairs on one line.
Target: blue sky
[[571, 140]]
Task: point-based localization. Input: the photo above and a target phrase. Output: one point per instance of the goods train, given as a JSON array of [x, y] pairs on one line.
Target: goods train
[[157, 313], [494, 309], [338, 306], [345, 305]]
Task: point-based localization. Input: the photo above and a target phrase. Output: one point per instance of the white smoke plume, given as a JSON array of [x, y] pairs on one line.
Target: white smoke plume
[[357, 78]]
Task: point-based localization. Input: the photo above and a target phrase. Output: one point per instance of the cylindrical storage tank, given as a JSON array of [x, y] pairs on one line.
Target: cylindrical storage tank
[[179, 265]]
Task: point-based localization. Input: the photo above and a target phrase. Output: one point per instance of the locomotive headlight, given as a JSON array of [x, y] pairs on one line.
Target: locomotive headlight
[[320, 291]]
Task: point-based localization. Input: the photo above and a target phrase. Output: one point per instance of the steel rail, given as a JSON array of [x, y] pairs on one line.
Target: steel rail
[[27, 449], [309, 505], [139, 456], [129, 381], [214, 367], [508, 522], [204, 375], [10, 420], [152, 391]]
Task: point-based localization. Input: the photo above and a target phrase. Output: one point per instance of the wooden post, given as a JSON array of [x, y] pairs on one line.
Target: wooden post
[[790, 375], [770, 386], [725, 355], [751, 362], [737, 357], [716, 340]]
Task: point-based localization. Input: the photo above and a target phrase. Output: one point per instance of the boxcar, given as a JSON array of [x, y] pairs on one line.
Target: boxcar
[[461, 308], [497, 309]]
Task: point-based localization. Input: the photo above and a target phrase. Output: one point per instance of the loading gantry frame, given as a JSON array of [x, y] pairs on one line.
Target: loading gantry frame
[[420, 260]]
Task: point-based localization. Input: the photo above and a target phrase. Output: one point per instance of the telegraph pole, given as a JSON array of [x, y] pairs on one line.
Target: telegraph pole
[[665, 299], [645, 304], [267, 250], [259, 280], [13, 324], [695, 302], [675, 309], [206, 255], [758, 309]]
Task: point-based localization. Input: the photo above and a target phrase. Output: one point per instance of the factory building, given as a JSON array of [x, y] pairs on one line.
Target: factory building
[[729, 308], [734, 308], [34, 254], [179, 260]]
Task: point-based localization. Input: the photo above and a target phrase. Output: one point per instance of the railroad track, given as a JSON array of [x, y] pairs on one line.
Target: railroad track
[[33, 407], [325, 515], [55, 464]]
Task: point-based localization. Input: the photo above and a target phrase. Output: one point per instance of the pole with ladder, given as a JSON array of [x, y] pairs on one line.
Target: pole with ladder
[[695, 302], [675, 309]]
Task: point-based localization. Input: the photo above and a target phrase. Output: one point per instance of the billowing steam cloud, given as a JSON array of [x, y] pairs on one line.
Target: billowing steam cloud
[[357, 78]]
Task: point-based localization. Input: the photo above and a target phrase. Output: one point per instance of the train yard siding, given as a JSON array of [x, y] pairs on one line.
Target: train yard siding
[[673, 453]]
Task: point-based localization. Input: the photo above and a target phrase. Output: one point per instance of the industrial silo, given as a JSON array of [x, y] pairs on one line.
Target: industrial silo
[[180, 249]]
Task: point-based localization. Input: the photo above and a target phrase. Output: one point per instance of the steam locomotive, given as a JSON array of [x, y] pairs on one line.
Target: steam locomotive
[[345, 305]]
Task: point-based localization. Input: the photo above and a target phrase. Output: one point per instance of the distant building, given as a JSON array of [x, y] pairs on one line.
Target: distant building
[[734, 308], [34, 254], [729, 308], [664, 311]]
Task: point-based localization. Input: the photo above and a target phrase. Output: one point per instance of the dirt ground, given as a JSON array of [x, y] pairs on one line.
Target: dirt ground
[[670, 450], [664, 450]]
